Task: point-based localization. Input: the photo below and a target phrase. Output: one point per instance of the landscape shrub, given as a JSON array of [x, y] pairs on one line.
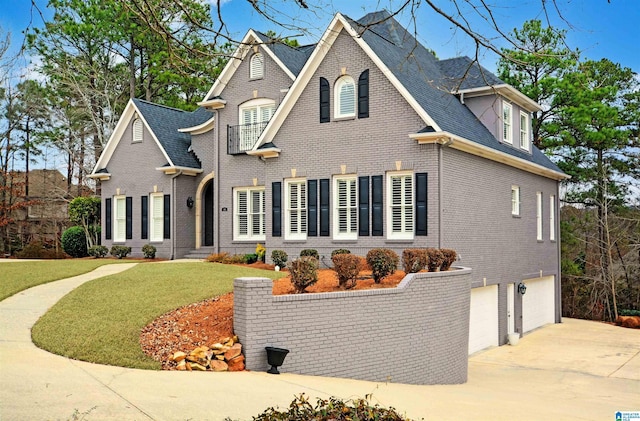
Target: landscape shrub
[[448, 257], [217, 257], [347, 267], [279, 258], [39, 250], [435, 259], [234, 259], [250, 258], [340, 251], [304, 273], [149, 251], [628, 312], [120, 251], [383, 262], [329, 410], [414, 260], [74, 241], [98, 251], [261, 251], [310, 253]]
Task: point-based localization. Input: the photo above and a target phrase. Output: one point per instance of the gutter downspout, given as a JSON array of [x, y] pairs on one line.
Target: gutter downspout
[[440, 195], [559, 247], [216, 186], [173, 212]]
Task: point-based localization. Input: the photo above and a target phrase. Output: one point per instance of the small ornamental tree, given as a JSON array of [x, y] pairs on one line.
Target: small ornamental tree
[[304, 273], [85, 211], [383, 262], [347, 267]]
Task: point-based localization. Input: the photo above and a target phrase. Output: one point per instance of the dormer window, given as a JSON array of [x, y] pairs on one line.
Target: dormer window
[[345, 97], [256, 66], [136, 129], [506, 122], [524, 130]]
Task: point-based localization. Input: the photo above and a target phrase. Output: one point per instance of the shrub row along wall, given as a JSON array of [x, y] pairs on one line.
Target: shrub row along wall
[[417, 333]]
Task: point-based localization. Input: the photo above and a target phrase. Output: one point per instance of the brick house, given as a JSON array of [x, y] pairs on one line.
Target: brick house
[[362, 140]]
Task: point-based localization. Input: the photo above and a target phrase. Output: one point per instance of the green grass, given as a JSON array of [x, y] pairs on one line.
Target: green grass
[[101, 320], [18, 276]]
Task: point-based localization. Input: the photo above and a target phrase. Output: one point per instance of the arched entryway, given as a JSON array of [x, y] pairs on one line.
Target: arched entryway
[[205, 214]]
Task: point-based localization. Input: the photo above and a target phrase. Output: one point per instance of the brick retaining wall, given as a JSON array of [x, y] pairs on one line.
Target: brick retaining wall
[[417, 333]]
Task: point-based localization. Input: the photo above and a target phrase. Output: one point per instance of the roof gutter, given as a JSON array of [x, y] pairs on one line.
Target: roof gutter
[[465, 145]]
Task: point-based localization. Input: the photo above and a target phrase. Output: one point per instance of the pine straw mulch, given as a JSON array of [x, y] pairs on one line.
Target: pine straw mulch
[[209, 321]]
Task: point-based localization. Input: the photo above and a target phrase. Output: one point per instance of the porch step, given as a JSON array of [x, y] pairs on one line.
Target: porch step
[[200, 253]]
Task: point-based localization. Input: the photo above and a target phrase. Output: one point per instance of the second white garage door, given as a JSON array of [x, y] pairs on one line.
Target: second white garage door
[[538, 303], [483, 321]]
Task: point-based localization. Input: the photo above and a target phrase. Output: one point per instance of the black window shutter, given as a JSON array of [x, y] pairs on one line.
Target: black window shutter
[[107, 219], [421, 203], [129, 215], [167, 217], [324, 101], [363, 94], [144, 217], [276, 209], [376, 205], [324, 207], [363, 206], [312, 208]]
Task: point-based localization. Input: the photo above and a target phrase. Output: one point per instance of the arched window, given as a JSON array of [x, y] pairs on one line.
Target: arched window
[[137, 131], [345, 97], [256, 66]]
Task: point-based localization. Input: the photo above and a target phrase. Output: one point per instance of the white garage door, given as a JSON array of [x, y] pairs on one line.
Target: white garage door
[[538, 303], [483, 323]]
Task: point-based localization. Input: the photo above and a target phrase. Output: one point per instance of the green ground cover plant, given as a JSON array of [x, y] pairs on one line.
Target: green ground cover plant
[[101, 320], [18, 276]]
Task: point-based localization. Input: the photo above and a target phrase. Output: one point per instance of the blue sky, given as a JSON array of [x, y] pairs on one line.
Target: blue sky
[[598, 28]]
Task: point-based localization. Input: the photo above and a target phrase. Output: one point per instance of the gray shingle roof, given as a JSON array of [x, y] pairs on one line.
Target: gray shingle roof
[[463, 73], [429, 82], [165, 122], [292, 57]]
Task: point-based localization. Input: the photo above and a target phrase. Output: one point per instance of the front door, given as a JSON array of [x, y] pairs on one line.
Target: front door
[[207, 214]]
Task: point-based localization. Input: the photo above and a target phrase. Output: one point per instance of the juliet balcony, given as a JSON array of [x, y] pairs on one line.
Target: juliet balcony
[[243, 137]]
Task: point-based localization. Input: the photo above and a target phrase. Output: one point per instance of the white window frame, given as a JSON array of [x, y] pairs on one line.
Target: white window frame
[[262, 109], [345, 208], [552, 217], [119, 219], [507, 122], [515, 200], [539, 216], [156, 217], [295, 227], [254, 213], [256, 66], [340, 96], [524, 130], [406, 206], [137, 131]]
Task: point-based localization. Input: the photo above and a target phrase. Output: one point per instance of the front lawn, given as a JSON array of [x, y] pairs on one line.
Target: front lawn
[[18, 276], [101, 320]]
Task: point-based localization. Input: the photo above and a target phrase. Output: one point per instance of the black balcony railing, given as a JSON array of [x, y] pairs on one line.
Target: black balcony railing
[[243, 137]]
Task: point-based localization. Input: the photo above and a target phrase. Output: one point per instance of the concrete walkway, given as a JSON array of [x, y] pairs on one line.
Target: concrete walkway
[[577, 370]]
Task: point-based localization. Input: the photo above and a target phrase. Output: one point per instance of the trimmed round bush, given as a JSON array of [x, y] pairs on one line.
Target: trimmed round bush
[[250, 258], [304, 273], [98, 251], [449, 256], [310, 253], [120, 251], [279, 258], [435, 259], [347, 267], [414, 260], [340, 251], [383, 262], [74, 242], [149, 251]]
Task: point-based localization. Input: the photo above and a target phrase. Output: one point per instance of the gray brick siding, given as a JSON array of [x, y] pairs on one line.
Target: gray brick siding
[[416, 333]]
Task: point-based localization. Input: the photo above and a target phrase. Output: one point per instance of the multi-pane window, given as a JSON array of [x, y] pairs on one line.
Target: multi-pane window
[[249, 214], [506, 122], [156, 224], [256, 66], [539, 216], [524, 130], [515, 200], [400, 199], [254, 117], [345, 97], [345, 219], [552, 217], [120, 219], [296, 210], [136, 131]]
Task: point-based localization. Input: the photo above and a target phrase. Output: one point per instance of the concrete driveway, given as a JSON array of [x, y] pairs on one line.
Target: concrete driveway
[[577, 370]]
